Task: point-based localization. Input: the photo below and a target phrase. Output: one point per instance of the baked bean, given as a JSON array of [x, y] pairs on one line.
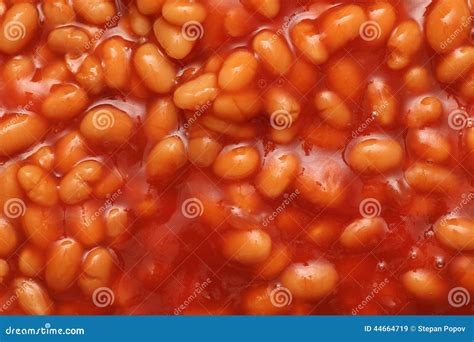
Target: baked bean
[[261, 300], [156, 71], [44, 158], [425, 285], [70, 149], [148, 7], [280, 102], [381, 103], [117, 224], [180, 12], [279, 259], [166, 158], [383, 14], [12, 128], [56, 71], [418, 80], [57, 12], [462, 268], [68, 40], [39, 186], [303, 76], [32, 297], [323, 184], [466, 86], [214, 64], [77, 185], [86, 224], [90, 75], [267, 8], [18, 27], [106, 125], [233, 20], [245, 196], [455, 64], [363, 234], [9, 186], [308, 42], [172, 39], [246, 246], [425, 112], [470, 139], [273, 52], [238, 71], [109, 184], [403, 44], [345, 77], [139, 23], [238, 107], [332, 109], [447, 24], [63, 264], [237, 162], [429, 144], [235, 131], [116, 63], [311, 281], [17, 68], [455, 232], [9, 238], [96, 12], [425, 177], [64, 102], [374, 155], [203, 148], [31, 261], [4, 270], [341, 25], [197, 92], [325, 231], [161, 119], [276, 175], [97, 270], [42, 225]]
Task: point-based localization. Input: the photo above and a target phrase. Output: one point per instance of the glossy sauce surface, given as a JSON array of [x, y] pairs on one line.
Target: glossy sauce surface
[[225, 157]]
